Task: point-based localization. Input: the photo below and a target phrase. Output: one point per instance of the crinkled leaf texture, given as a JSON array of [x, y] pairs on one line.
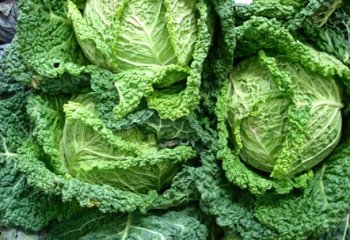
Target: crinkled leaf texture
[[122, 35], [34, 194], [298, 215], [17, 197], [276, 40], [277, 108], [173, 225], [279, 9], [12, 64], [291, 14], [153, 82], [134, 190], [53, 49], [22, 205], [105, 198], [341, 232], [83, 147], [54, 53], [301, 214], [16, 67], [333, 37]]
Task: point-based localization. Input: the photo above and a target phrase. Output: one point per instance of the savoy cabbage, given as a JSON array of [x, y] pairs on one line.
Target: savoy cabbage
[[163, 65], [200, 119], [248, 203]]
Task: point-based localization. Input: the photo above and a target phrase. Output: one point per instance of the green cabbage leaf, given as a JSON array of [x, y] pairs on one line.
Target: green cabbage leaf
[[246, 203], [185, 224], [143, 48], [324, 65], [333, 36]]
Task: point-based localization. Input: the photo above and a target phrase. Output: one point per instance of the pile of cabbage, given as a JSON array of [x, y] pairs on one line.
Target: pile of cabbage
[[175, 120]]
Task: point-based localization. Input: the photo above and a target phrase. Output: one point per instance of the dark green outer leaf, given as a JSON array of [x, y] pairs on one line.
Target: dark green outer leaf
[[333, 37], [292, 14], [106, 198], [12, 64], [341, 232], [21, 205], [298, 215], [219, 198], [217, 195], [318, 10], [321, 206], [282, 10], [93, 225], [48, 46], [46, 39]]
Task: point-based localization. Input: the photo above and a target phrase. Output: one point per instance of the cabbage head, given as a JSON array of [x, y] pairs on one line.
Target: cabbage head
[[128, 159], [291, 94], [279, 111], [121, 35], [130, 51], [80, 145], [284, 118]]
